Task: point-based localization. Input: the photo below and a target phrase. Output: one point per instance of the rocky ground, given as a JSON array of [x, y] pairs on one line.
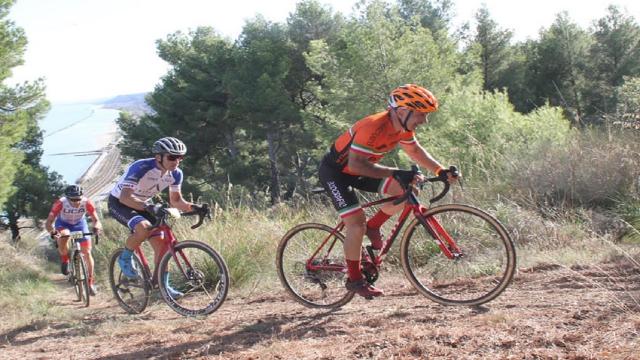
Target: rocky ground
[[549, 312]]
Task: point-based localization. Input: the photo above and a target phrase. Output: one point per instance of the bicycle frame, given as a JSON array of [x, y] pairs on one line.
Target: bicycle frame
[[190, 260], [73, 243], [445, 242], [453, 254], [78, 272], [163, 230]]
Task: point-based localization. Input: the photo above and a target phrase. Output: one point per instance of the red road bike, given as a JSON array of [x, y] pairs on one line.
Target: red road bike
[[192, 267], [453, 254]]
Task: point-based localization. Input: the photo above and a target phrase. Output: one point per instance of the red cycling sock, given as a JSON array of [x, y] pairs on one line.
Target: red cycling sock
[[64, 258], [378, 219], [353, 270]]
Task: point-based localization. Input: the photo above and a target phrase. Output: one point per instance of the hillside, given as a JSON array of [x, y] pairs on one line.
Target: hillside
[[132, 103], [549, 312]]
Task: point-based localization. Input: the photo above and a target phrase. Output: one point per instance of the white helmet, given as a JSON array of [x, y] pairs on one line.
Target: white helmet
[[169, 145]]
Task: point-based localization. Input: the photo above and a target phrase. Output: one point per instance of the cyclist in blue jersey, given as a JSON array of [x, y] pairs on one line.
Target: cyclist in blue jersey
[[130, 201]]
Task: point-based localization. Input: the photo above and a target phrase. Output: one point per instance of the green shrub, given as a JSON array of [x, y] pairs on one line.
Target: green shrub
[[629, 211], [481, 132]]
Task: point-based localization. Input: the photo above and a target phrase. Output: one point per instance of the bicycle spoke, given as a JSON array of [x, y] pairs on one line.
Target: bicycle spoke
[[131, 294], [82, 278], [73, 279], [322, 283], [196, 281], [479, 273]]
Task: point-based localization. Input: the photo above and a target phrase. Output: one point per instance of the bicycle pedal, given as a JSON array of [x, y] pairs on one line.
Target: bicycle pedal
[[368, 297]]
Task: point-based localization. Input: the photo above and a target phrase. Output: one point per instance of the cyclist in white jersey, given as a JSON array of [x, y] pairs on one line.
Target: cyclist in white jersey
[[130, 200], [68, 212]]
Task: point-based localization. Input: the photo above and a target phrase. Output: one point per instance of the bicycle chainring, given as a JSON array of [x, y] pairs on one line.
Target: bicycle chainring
[[370, 271]]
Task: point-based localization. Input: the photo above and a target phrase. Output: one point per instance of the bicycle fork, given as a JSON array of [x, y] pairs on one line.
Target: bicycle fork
[[185, 266], [77, 258], [441, 236]]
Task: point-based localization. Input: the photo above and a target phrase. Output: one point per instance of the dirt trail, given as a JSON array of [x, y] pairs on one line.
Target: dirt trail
[[549, 312]]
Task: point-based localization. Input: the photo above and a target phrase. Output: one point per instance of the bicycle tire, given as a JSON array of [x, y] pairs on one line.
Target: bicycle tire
[[74, 281], [82, 278], [132, 295], [479, 276], [322, 289], [205, 285]]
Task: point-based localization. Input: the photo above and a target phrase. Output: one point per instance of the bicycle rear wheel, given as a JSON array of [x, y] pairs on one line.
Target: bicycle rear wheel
[[131, 294], [199, 273], [81, 278], [322, 287], [484, 268]]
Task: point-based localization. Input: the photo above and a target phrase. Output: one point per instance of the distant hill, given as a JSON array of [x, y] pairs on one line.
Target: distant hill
[[132, 103]]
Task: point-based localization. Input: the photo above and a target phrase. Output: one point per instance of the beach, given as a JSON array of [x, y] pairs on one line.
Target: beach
[[102, 174], [74, 135]]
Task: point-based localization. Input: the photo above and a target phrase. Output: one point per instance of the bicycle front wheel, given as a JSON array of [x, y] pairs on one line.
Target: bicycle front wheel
[[81, 278], [195, 281], [132, 294], [314, 281], [480, 272], [73, 280]]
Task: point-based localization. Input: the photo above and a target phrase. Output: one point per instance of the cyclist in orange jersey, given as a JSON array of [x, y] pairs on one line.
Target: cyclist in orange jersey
[[352, 163]]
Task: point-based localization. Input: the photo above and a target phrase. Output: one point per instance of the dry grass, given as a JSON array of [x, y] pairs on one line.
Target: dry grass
[[592, 170], [246, 239], [25, 289]]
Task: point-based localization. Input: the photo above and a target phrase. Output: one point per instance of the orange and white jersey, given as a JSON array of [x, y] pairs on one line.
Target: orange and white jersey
[[373, 137], [65, 211]]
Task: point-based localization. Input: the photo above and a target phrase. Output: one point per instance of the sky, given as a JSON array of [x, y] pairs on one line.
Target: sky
[[96, 49]]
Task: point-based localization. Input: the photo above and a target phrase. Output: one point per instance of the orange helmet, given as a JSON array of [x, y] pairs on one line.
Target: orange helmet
[[414, 97]]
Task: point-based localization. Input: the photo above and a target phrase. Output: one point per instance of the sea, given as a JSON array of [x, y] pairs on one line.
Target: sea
[[74, 135]]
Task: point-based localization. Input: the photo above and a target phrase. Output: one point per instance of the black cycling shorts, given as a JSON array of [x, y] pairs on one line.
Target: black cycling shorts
[[340, 187], [127, 216]]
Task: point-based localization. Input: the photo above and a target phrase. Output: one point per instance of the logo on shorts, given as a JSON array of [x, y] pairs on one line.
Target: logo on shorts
[[336, 194]]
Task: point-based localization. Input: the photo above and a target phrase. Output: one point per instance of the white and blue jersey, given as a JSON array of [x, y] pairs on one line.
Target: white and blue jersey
[[71, 216], [146, 180]]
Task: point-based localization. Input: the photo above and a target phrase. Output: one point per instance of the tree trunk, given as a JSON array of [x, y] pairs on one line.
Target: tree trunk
[[301, 162], [291, 189], [576, 97], [231, 144], [13, 226], [273, 163]]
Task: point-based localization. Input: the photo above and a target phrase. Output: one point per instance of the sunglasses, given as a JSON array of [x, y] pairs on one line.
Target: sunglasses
[[75, 199], [174, 157]]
